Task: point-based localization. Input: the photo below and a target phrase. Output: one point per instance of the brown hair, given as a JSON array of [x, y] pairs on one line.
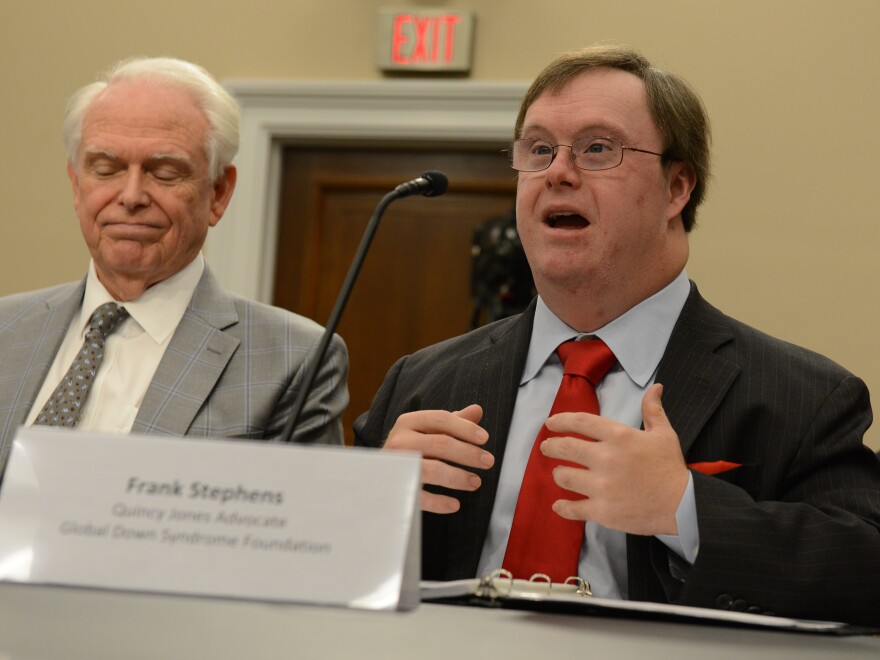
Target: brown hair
[[678, 112]]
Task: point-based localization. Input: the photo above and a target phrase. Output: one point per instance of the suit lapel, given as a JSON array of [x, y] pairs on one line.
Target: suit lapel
[[32, 344], [193, 362], [490, 376], [694, 377]]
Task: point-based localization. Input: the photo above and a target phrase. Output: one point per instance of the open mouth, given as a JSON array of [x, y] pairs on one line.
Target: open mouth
[[567, 221]]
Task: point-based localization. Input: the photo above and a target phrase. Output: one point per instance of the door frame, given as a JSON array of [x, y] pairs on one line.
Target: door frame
[[241, 248]]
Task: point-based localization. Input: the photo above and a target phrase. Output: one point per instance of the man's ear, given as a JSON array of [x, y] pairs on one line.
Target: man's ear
[[224, 186], [681, 180], [74, 181]]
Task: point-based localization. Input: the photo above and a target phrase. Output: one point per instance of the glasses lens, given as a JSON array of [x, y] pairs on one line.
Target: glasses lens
[[596, 153], [530, 155]]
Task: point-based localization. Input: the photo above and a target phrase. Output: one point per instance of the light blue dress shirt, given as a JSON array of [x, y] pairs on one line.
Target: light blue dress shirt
[[638, 339]]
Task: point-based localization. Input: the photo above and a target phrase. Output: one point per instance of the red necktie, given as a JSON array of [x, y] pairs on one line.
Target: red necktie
[[541, 541]]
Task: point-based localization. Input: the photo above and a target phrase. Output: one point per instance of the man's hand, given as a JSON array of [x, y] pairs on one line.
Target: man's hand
[[633, 481], [446, 440]]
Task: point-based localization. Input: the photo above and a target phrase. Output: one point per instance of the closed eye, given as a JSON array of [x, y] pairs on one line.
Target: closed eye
[[166, 174], [168, 169], [102, 165]]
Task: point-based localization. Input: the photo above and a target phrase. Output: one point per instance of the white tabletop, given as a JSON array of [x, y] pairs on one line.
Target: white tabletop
[[44, 623]]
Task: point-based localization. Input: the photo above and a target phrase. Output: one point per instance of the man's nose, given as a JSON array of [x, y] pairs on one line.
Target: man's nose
[[133, 194], [562, 170]]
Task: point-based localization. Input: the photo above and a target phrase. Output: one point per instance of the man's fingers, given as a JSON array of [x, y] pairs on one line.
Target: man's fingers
[[443, 447], [448, 442], [439, 434], [581, 423], [461, 425], [653, 414], [572, 509], [433, 503], [566, 448], [629, 479], [576, 480], [473, 413], [438, 473]]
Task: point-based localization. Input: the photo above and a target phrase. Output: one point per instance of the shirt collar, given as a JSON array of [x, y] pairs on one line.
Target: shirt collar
[[158, 310], [638, 337]]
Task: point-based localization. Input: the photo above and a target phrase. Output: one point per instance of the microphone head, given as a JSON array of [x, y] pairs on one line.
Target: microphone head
[[438, 183]]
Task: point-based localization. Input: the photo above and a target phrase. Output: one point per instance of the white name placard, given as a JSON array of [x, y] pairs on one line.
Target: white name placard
[[324, 525]]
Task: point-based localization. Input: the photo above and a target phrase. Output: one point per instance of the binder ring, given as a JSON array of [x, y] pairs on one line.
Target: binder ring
[[583, 587], [538, 578], [491, 584]]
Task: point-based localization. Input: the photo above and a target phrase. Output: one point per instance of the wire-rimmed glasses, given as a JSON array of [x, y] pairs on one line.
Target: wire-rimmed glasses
[[588, 153]]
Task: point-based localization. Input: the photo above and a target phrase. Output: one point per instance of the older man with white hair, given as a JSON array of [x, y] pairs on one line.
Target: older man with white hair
[[148, 342]]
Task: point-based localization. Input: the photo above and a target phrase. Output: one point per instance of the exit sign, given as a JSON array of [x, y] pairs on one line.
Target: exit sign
[[419, 39]]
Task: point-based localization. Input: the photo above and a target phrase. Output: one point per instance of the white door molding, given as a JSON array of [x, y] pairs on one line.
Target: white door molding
[[241, 248]]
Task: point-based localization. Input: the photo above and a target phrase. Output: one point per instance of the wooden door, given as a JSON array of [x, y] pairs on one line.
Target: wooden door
[[414, 288]]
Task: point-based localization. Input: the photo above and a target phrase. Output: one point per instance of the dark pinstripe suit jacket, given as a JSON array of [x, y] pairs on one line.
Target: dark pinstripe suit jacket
[[795, 531], [232, 368]]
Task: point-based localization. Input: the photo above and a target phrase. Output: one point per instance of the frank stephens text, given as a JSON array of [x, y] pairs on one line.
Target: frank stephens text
[[199, 490]]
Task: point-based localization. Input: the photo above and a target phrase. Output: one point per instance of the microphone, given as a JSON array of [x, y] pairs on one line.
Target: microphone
[[429, 184]]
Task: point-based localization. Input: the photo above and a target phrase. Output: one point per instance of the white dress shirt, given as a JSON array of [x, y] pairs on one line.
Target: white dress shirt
[[131, 354], [638, 339]]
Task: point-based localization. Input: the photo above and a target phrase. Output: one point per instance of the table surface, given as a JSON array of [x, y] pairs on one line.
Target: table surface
[[44, 623]]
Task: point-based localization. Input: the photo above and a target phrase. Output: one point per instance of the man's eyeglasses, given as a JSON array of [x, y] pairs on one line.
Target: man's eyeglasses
[[589, 153]]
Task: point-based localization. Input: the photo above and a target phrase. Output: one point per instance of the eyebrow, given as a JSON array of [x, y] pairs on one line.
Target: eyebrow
[[591, 130], [90, 155], [159, 157]]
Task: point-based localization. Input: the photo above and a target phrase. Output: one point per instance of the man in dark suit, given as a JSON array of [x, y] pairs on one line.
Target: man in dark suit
[[150, 150], [748, 488]]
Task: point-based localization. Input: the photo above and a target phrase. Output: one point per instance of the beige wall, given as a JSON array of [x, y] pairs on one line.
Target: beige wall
[[788, 234]]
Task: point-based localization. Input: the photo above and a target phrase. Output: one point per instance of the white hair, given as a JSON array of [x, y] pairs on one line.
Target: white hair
[[219, 107]]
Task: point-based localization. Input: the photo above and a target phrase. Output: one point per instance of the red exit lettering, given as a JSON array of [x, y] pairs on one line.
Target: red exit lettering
[[420, 39]]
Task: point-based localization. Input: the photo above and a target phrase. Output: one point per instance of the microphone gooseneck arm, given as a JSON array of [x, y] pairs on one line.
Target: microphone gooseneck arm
[[430, 184]]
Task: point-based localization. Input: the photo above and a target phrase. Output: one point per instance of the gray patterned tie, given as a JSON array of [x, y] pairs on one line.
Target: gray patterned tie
[[64, 406]]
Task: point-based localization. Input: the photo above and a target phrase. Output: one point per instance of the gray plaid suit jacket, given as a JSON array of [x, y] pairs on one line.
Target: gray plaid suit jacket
[[231, 370], [794, 531]]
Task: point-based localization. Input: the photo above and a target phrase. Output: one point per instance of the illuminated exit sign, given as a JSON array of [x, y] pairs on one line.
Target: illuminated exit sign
[[419, 39]]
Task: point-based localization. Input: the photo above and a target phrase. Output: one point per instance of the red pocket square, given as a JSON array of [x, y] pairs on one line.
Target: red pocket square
[[713, 467]]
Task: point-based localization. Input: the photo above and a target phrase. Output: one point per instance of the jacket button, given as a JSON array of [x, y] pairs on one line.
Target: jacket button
[[739, 605], [724, 601], [753, 609]]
